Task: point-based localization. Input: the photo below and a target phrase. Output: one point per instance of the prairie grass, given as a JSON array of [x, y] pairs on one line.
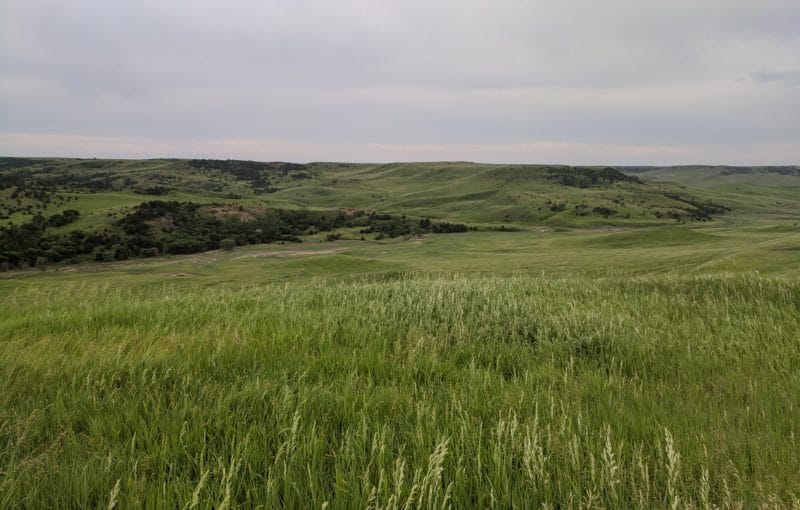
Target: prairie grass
[[426, 391]]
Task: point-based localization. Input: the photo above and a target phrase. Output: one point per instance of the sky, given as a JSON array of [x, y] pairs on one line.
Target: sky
[[626, 82]]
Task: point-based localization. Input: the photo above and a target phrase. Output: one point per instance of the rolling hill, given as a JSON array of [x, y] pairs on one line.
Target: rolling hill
[[468, 335], [70, 210], [523, 194]]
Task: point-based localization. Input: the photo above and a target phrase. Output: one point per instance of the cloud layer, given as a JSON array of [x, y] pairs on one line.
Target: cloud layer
[[620, 81]]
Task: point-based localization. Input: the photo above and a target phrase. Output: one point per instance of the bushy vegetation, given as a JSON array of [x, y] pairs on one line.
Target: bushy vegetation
[[419, 392], [258, 174], [180, 227], [389, 226], [33, 245], [157, 227], [38, 181], [588, 177], [698, 209], [7, 163]]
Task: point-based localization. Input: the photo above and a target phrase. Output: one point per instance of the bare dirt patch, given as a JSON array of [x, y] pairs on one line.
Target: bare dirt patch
[[162, 224], [224, 211]]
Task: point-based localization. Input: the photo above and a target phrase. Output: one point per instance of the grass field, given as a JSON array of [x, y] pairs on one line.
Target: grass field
[[420, 391], [636, 363], [467, 192]]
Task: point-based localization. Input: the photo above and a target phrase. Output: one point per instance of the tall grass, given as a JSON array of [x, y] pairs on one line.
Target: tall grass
[[423, 392]]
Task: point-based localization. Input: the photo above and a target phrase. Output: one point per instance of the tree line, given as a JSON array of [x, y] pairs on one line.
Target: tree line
[[169, 227]]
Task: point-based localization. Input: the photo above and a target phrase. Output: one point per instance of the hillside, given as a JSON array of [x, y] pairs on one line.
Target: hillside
[[73, 210], [645, 392], [765, 193], [720, 175], [525, 195], [533, 195], [420, 347]]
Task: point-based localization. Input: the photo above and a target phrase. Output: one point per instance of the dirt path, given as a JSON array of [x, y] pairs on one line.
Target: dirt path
[[155, 263], [290, 253]]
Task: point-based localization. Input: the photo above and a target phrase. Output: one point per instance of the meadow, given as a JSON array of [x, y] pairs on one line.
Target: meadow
[[609, 363], [416, 391]]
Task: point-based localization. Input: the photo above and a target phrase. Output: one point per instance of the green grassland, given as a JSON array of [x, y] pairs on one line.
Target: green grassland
[[519, 194], [623, 360], [758, 193]]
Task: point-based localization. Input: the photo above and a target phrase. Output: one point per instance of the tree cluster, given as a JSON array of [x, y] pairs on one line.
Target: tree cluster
[[697, 209], [392, 226], [158, 227], [588, 177], [31, 244], [258, 174]]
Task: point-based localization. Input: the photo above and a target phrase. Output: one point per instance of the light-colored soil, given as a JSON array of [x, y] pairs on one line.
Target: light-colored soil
[[197, 258], [223, 211], [291, 253]]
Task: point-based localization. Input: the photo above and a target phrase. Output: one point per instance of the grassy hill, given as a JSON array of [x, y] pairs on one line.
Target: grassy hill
[[72, 210], [56, 210], [760, 193], [721, 175], [537, 358], [528, 195]]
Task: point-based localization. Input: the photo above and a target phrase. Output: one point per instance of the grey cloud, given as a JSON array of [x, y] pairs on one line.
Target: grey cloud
[[415, 73], [790, 77]]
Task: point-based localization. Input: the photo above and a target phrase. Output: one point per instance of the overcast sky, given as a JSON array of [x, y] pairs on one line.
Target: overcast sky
[[536, 81]]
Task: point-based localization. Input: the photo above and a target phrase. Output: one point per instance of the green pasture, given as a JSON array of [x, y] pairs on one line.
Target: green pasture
[[419, 391], [577, 362]]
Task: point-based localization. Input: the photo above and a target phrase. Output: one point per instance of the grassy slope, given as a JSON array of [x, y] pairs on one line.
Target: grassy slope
[[616, 367], [99, 208], [483, 392], [764, 195], [475, 193], [453, 191], [712, 249]]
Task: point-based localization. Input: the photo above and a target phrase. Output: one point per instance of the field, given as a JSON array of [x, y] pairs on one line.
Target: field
[[578, 361], [555, 196]]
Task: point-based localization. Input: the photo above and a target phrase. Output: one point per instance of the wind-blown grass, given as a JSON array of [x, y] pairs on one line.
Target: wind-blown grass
[[422, 392]]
